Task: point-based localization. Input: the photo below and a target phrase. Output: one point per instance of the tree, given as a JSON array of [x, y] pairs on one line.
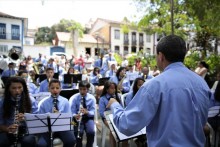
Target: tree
[[43, 35]]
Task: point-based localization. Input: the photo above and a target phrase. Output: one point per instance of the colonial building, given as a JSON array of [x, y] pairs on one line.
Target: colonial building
[[12, 32]]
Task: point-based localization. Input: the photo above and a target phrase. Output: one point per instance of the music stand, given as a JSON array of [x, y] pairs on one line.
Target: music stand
[[103, 80], [77, 78], [49, 122], [67, 78], [43, 76], [68, 93]]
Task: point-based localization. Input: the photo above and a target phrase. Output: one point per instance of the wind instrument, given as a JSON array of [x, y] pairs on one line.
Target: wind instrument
[[16, 121], [80, 119], [145, 77], [55, 107]]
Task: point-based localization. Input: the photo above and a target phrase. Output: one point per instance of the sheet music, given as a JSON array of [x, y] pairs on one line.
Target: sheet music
[[121, 135], [213, 111], [37, 123]]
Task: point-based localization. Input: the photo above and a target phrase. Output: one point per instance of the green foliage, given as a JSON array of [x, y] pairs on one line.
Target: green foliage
[[43, 35], [118, 58]]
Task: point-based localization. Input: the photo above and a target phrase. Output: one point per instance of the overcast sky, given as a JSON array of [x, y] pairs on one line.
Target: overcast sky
[[52, 11]]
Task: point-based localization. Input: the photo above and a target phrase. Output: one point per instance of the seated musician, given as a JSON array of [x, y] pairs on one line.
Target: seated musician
[[112, 71], [44, 84], [32, 88], [55, 104], [95, 76], [70, 71], [109, 91], [82, 106], [15, 102], [121, 80], [138, 82]]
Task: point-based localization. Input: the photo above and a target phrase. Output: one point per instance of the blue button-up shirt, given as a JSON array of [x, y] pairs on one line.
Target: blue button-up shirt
[[172, 106], [75, 101], [10, 120], [125, 84], [9, 73], [46, 105], [44, 86]]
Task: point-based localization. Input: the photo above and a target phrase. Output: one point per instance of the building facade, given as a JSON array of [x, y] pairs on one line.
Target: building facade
[[12, 32]]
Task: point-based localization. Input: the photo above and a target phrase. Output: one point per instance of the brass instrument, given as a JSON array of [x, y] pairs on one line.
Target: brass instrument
[[36, 68], [120, 84], [15, 53], [80, 119], [16, 121]]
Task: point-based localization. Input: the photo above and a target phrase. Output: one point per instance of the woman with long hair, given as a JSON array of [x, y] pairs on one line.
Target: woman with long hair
[[13, 105]]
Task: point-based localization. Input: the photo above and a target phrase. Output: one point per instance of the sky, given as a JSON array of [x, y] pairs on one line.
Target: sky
[[50, 12]]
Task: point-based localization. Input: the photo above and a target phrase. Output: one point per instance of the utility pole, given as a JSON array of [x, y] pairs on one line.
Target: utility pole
[[172, 23]]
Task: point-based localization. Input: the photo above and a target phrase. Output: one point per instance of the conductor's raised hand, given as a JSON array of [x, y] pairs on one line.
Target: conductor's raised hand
[[112, 100]]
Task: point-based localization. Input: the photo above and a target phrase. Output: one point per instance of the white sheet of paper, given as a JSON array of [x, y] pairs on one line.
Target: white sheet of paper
[[121, 135], [36, 123]]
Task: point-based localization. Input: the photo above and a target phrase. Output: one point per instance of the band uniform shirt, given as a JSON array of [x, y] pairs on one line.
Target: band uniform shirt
[[94, 79], [103, 102], [44, 86], [125, 84], [46, 105], [75, 101], [173, 106], [9, 73], [10, 120]]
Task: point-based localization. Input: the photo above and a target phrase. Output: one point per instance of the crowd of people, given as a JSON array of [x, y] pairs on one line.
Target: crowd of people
[[137, 95]]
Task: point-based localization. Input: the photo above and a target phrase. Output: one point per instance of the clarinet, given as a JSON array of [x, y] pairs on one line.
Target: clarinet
[[55, 102], [80, 119], [16, 112]]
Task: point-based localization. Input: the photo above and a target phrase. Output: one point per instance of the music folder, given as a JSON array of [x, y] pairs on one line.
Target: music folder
[[121, 136], [42, 123], [72, 78]]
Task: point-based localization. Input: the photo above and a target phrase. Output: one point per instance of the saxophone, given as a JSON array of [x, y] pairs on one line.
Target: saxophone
[[16, 121], [120, 84], [80, 119]]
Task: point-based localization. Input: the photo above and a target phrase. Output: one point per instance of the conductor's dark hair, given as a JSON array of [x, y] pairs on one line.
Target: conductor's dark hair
[[173, 47], [84, 84], [54, 81], [25, 103], [106, 87], [135, 87]]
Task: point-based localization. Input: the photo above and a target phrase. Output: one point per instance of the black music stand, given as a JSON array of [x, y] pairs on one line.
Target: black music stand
[[68, 93], [72, 78], [43, 76], [103, 80], [50, 122]]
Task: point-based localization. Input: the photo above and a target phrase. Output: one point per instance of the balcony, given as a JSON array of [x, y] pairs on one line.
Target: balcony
[[9, 36], [134, 42], [141, 43], [126, 42]]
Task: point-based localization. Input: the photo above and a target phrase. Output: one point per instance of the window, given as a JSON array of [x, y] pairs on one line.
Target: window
[[141, 39], [15, 32], [117, 49], [148, 38], [3, 48], [2, 31], [125, 50], [117, 34], [27, 42], [126, 41]]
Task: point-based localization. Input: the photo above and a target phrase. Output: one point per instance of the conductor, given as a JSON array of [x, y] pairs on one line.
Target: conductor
[[172, 106]]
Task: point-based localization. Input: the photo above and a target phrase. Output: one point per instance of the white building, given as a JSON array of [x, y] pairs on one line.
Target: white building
[[12, 32]]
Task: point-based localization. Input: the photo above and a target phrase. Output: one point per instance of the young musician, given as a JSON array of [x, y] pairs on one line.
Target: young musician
[[95, 76], [109, 91], [13, 105], [55, 104], [121, 80], [44, 84], [138, 82], [82, 106]]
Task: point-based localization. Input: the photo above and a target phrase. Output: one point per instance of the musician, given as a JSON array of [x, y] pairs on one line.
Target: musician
[[145, 73], [112, 71], [44, 84], [173, 106], [106, 62], [138, 82], [78, 66], [70, 71], [109, 91], [88, 102], [62, 106], [16, 89], [95, 76], [10, 71], [32, 88], [41, 60], [100, 63], [131, 74], [121, 80]]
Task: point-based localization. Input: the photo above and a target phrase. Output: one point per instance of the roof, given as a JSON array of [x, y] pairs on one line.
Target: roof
[[9, 16], [66, 36], [63, 36]]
